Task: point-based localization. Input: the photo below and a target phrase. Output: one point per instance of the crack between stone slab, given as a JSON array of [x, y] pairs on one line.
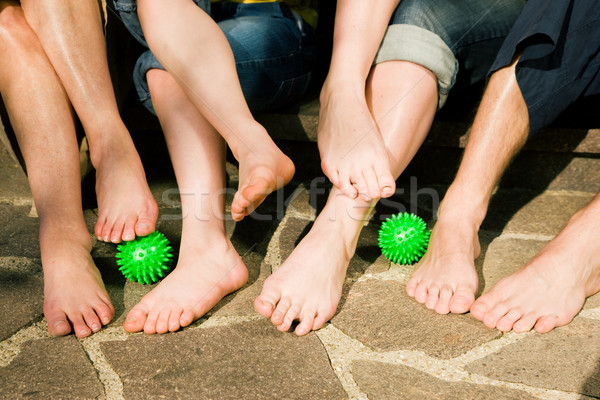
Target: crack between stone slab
[[18, 201], [11, 347], [108, 377], [343, 350]]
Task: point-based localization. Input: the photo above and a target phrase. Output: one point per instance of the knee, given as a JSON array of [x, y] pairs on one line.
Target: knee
[[15, 32]]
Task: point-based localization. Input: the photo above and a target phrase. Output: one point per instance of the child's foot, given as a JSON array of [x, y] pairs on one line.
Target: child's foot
[[74, 294], [353, 155], [126, 207], [203, 276], [308, 285], [551, 289], [446, 280], [262, 171]]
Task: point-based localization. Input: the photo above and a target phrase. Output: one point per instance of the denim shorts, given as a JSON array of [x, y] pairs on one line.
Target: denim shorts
[[448, 36], [274, 50], [559, 47]]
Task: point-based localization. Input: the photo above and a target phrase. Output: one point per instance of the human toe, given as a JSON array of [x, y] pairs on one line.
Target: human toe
[[443, 304], [306, 324], [146, 223], [280, 311], [526, 323], [117, 231], [291, 315], [80, 328], [546, 323], [373, 189], [91, 320], [265, 304], [462, 300], [421, 293], [411, 287], [479, 308], [174, 320], [151, 320], [321, 318], [129, 229], [492, 317], [162, 322], [99, 228], [346, 187], [433, 296], [136, 318], [58, 324], [506, 323]]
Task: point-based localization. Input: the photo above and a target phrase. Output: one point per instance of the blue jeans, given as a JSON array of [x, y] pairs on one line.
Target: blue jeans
[[449, 36], [274, 50]]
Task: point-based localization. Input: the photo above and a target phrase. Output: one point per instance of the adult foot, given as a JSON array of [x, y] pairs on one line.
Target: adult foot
[[126, 207], [353, 155], [551, 289], [446, 279], [308, 285], [263, 169], [203, 276], [74, 295]]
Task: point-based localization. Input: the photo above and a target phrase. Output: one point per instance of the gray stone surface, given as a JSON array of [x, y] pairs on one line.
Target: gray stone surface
[[516, 211], [21, 294], [388, 381], [203, 364], [565, 359], [18, 232], [56, 368], [381, 315], [504, 257]]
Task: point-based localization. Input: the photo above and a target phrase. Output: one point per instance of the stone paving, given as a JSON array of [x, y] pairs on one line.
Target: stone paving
[[380, 344]]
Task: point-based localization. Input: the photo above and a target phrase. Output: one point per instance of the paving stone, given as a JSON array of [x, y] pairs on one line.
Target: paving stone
[[553, 171], [387, 381], [504, 257], [21, 294], [528, 213], [565, 359], [245, 360], [50, 369], [381, 315], [18, 232], [14, 186]]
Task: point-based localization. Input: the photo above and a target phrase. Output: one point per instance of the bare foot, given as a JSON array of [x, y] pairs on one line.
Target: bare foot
[[353, 155], [308, 285], [262, 171], [551, 289], [446, 280], [126, 207], [203, 276], [74, 294]]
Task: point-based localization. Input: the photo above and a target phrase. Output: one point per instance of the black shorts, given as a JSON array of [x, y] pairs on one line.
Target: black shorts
[[559, 44]]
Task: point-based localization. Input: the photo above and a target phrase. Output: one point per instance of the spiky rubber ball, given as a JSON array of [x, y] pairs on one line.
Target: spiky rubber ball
[[146, 259], [403, 238]]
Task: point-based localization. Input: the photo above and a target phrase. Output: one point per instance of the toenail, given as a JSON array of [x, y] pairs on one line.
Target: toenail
[[105, 238], [142, 225], [57, 323], [95, 327], [106, 320], [84, 331]]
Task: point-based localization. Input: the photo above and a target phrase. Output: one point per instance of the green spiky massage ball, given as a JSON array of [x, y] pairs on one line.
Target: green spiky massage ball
[[145, 259], [403, 238]]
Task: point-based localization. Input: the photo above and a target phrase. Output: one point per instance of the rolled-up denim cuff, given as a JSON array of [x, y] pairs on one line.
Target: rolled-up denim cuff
[[423, 47], [145, 63]]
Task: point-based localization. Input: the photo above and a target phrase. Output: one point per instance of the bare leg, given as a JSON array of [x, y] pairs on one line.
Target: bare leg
[[308, 286], [71, 34], [446, 280], [183, 36], [551, 289], [209, 267], [73, 288]]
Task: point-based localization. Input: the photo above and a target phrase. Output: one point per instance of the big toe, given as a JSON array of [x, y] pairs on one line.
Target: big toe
[[136, 319], [145, 225], [58, 324], [462, 301], [264, 306]]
